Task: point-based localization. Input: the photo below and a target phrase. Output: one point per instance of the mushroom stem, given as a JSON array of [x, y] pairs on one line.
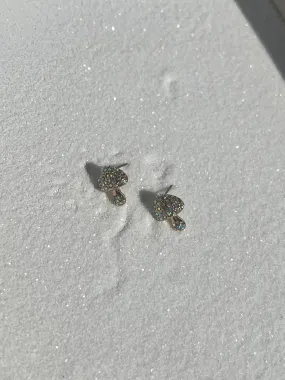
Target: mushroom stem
[[118, 197], [177, 223]]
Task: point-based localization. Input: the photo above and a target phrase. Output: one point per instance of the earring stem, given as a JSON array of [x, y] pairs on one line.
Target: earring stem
[[121, 166], [170, 187]]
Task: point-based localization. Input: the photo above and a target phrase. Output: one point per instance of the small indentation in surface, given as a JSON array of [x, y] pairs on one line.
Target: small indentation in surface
[[71, 205], [170, 85], [166, 172]]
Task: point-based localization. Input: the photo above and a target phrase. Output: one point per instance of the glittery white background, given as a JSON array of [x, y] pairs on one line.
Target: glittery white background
[[186, 93]]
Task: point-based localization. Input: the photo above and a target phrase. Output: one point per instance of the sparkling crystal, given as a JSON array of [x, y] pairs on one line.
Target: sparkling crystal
[[112, 178], [166, 206], [178, 223], [119, 198]]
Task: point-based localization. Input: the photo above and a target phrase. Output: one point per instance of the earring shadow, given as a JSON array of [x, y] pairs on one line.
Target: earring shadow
[[94, 172], [147, 198]]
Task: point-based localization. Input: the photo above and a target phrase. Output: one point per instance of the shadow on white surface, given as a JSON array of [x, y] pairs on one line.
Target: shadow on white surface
[[94, 172], [269, 27], [147, 198]]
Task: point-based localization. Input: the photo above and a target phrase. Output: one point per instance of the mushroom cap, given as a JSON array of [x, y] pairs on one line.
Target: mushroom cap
[[166, 206], [112, 178]]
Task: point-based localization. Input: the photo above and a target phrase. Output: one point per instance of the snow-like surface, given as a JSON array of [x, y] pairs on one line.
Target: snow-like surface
[[186, 93]]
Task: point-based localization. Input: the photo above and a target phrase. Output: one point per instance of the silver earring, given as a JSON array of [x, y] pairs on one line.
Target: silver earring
[[166, 206], [110, 181]]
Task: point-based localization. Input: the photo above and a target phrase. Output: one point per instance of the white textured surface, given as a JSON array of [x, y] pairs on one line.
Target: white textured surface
[[186, 93]]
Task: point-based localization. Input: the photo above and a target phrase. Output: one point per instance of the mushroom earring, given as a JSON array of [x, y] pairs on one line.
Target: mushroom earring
[[110, 181], [166, 206]]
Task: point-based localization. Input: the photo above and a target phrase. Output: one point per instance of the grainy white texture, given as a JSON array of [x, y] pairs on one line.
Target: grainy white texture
[[184, 92]]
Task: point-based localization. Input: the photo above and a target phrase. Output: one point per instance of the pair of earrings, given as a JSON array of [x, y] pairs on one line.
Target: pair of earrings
[[165, 206]]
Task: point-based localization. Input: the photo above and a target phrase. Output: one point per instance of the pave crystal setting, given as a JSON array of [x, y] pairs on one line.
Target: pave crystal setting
[[178, 223], [167, 206], [110, 180], [119, 198]]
